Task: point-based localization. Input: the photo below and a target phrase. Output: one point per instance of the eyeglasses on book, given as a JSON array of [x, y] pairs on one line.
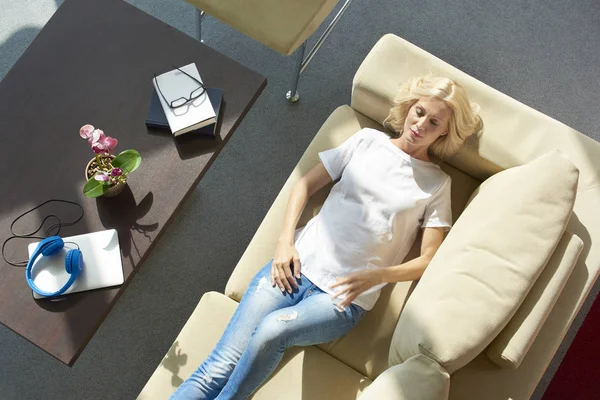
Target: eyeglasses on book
[[181, 101]]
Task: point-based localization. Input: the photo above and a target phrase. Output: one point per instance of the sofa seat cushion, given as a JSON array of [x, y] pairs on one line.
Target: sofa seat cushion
[[488, 263], [304, 372]]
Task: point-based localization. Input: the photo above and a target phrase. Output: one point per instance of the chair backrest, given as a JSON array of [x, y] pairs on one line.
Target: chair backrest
[[282, 25]]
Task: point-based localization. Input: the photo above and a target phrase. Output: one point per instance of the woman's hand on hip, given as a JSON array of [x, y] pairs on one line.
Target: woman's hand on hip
[[355, 284], [286, 267]]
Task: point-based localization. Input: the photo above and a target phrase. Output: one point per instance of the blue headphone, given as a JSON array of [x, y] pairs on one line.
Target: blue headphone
[[48, 247]]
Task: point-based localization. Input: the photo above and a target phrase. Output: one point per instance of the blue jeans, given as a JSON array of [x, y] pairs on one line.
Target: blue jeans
[[266, 322]]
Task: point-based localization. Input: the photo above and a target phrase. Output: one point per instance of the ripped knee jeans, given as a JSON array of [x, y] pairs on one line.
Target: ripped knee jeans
[[266, 323]]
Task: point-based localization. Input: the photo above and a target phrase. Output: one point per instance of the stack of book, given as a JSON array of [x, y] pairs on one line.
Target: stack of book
[[182, 104]]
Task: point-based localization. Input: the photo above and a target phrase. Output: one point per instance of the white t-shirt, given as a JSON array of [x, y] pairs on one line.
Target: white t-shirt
[[373, 214]]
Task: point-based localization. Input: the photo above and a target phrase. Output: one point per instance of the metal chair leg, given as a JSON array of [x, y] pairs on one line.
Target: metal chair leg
[[323, 37], [301, 63], [293, 95], [200, 16]]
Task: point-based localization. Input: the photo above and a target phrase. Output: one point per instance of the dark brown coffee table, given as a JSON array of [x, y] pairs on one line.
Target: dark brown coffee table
[[93, 63]]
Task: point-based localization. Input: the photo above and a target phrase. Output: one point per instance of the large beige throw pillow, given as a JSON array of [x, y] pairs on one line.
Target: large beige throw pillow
[[418, 378], [488, 263]]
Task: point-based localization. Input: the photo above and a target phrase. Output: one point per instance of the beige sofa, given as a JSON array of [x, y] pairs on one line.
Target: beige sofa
[[513, 135]]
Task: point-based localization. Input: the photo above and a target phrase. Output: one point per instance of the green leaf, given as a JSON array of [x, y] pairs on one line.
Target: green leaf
[[128, 161], [94, 188]]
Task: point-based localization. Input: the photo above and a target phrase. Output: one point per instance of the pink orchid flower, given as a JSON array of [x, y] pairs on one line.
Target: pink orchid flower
[[101, 177], [86, 131], [116, 172], [95, 136], [104, 144], [98, 148], [108, 142], [99, 142]]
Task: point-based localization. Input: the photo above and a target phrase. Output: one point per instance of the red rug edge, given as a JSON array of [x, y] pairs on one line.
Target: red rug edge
[[578, 375]]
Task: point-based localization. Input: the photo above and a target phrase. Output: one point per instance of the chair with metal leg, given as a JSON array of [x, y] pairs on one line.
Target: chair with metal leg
[[282, 25]]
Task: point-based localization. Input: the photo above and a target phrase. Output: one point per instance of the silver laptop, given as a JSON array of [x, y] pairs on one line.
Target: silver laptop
[[102, 266]]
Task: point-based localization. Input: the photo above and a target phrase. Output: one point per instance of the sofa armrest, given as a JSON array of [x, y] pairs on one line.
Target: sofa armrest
[[509, 348]]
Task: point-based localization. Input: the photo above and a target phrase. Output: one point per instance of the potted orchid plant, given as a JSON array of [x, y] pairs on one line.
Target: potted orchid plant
[[106, 174]]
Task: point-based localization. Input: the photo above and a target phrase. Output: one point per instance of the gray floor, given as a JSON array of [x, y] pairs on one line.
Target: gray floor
[[545, 54]]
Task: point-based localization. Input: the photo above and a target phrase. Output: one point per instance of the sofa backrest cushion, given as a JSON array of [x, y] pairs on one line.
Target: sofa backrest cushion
[[507, 122], [488, 263]]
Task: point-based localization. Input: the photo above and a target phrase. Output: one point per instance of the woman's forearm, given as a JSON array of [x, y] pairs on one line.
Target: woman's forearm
[[408, 271], [296, 203]]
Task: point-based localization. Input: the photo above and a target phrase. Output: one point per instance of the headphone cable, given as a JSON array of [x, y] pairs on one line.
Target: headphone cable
[[56, 226]]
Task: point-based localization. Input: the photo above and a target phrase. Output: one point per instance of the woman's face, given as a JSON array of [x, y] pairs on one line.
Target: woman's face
[[426, 121]]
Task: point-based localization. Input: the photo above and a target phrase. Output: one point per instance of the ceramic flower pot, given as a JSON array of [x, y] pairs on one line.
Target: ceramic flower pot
[[92, 168]]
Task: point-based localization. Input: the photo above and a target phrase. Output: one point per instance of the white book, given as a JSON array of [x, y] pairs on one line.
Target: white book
[[192, 115]]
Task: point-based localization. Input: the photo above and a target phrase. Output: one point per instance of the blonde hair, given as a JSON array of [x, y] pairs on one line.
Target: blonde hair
[[463, 122]]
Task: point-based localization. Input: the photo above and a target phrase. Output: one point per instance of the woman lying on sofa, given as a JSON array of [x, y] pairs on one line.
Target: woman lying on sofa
[[324, 277]]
